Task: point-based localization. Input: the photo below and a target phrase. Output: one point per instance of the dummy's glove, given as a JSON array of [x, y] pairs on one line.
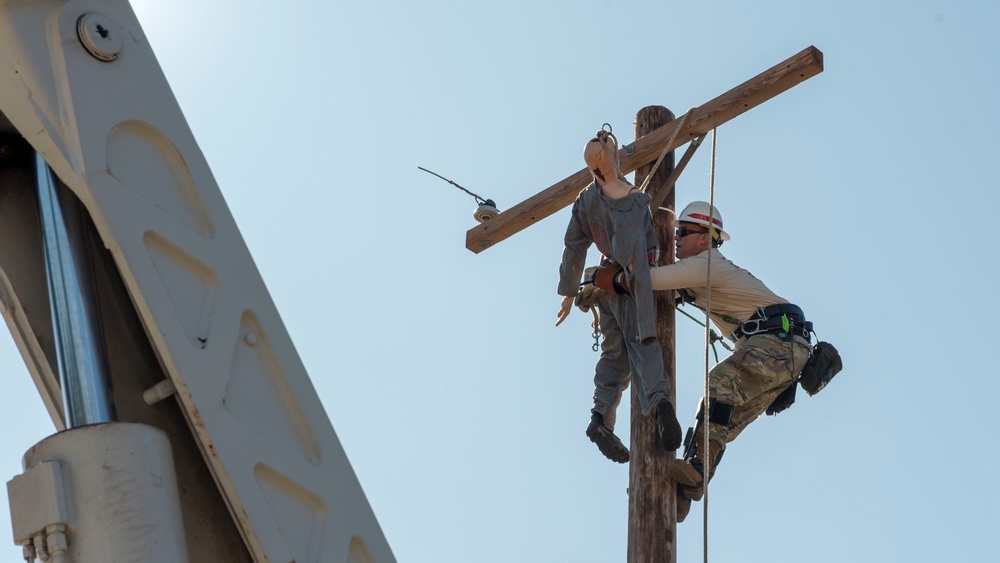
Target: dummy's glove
[[587, 297], [612, 279]]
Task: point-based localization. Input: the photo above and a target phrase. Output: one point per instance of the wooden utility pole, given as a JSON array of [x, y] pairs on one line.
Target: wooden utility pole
[[652, 508], [652, 505]]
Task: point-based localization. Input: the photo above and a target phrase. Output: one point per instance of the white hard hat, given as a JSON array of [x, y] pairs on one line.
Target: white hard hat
[[701, 213]]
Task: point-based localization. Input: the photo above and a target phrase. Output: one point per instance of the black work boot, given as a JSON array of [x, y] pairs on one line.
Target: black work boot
[[606, 441], [667, 425]]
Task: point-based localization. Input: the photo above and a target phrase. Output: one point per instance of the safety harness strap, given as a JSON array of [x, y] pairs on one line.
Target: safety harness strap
[[782, 318]]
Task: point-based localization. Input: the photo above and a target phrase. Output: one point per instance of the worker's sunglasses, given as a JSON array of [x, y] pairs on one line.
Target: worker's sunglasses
[[684, 231]]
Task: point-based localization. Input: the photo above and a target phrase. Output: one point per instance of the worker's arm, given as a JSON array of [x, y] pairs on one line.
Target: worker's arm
[[690, 272], [683, 274]]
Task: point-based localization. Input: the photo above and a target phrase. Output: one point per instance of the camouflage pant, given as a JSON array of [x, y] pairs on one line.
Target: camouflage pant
[[752, 377]]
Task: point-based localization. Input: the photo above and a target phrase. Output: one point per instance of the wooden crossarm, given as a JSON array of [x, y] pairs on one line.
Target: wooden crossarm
[[751, 93]]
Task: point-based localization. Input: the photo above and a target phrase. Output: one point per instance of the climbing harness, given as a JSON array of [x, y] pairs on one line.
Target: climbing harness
[[782, 319], [487, 208]]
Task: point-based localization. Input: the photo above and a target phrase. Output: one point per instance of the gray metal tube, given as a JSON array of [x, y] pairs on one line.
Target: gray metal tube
[[79, 345]]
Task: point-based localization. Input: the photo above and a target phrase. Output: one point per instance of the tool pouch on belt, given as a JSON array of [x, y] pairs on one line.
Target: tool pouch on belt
[[823, 364], [782, 401]]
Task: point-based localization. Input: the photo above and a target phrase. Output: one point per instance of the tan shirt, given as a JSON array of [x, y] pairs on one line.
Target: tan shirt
[[736, 294]]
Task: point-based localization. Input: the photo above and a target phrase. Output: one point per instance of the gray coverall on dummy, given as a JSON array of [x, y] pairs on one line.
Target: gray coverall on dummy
[[743, 385], [622, 229]]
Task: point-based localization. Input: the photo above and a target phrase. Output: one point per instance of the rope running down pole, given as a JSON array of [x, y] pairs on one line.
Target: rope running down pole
[[708, 337]]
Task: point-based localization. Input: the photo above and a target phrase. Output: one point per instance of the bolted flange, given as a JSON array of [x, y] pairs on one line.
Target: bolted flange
[[99, 36]]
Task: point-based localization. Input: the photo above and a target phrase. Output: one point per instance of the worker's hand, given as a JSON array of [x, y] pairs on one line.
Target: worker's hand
[[564, 309]]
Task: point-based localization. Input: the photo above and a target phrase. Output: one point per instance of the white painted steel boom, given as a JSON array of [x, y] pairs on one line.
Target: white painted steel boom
[[183, 306]]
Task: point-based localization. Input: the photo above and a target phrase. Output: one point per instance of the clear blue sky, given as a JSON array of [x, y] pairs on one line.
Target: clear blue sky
[[866, 195]]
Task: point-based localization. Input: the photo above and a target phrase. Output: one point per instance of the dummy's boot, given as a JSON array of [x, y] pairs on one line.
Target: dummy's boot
[[606, 441], [667, 425]]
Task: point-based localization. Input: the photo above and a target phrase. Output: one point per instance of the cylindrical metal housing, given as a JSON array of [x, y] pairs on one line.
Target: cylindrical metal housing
[[123, 499], [79, 345]]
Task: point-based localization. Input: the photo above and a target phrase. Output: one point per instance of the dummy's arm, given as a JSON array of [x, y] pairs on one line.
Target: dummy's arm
[[577, 241]]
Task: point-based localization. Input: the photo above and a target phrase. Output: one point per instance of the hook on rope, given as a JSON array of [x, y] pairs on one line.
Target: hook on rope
[[608, 140]]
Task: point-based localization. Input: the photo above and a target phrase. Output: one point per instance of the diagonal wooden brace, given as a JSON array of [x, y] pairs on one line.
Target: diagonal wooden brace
[[753, 92], [668, 186]]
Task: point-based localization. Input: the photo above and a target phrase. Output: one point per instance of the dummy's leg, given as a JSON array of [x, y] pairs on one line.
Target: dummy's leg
[[667, 425], [653, 382], [611, 378], [654, 389]]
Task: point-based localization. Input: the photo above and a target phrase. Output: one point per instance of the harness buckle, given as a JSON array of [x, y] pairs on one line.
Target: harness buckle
[[756, 323]]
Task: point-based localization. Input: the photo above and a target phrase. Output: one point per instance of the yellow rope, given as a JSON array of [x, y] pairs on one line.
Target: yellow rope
[[666, 149], [612, 149]]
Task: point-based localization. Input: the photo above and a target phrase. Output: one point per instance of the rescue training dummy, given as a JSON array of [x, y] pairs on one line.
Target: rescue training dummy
[[772, 345], [614, 215]]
